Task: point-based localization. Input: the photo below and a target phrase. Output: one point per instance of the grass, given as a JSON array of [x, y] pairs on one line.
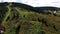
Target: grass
[[30, 22], [11, 25]]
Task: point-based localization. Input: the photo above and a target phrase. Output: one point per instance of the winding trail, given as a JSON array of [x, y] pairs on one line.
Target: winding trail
[[7, 13], [17, 10]]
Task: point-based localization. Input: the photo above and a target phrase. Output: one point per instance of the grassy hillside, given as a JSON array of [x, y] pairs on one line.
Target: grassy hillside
[[19, 20]]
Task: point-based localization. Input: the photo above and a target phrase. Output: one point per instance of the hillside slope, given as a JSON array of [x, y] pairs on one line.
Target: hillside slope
[[19, 20]]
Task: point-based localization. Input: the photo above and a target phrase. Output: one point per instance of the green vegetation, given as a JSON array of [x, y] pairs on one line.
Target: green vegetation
[[18, 20], [15, 17]]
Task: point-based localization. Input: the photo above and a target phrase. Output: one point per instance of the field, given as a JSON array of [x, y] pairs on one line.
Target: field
[[17, 20]]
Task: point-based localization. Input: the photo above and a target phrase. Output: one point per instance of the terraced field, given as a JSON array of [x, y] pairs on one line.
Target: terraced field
[[18, 20]]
